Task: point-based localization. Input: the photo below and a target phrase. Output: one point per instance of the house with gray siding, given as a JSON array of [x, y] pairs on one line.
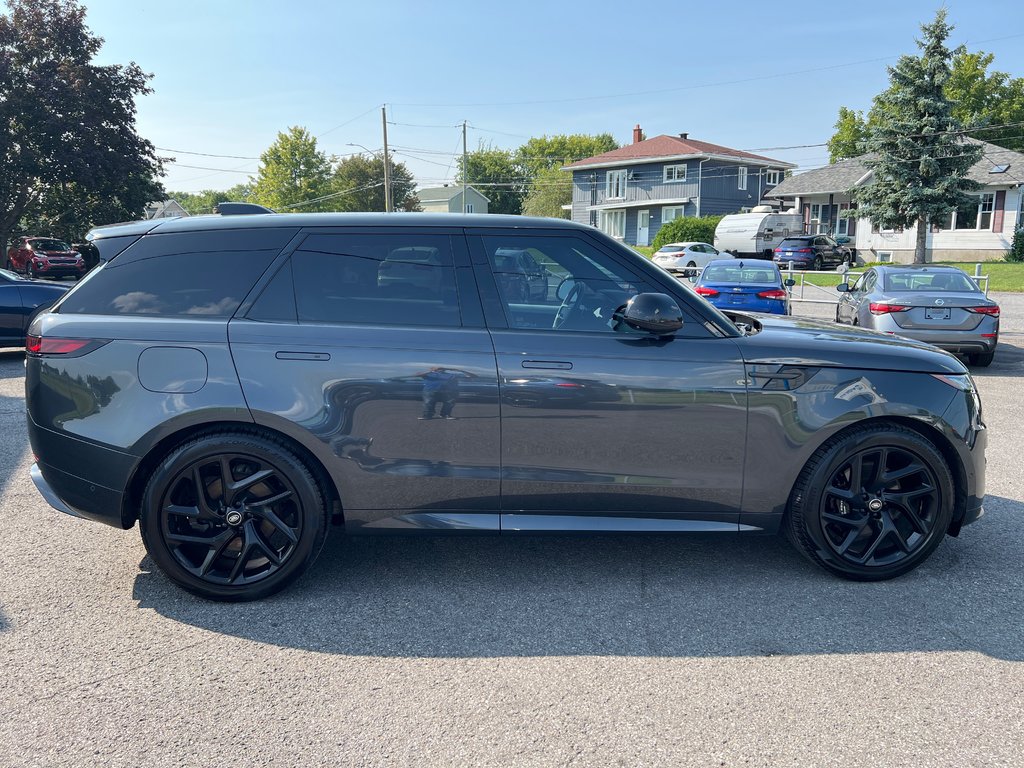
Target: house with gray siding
[[448, 199], [980, 231], [631, 191]]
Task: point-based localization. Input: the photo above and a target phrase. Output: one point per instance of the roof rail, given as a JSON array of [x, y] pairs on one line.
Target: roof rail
[[240, 209]]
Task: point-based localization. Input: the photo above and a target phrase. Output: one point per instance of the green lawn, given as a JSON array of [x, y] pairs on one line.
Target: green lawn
[[1003, 276]]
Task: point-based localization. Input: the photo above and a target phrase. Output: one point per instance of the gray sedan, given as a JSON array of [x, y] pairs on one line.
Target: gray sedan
[[935, 304]]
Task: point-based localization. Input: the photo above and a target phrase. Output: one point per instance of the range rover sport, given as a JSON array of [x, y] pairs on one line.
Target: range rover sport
[[240, 384]]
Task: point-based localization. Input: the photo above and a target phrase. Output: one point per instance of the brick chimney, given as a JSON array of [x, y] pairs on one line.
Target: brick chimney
[[638, 135]]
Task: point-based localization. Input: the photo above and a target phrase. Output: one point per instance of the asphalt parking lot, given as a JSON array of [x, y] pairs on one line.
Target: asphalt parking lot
[[518, 651]]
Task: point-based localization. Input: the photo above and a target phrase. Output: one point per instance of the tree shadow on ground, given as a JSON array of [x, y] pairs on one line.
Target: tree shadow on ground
[[625, 596]]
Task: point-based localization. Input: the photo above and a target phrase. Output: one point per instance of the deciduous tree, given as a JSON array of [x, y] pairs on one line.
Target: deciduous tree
[[497, 176], [70, 154], [294, 174], [358, 185]]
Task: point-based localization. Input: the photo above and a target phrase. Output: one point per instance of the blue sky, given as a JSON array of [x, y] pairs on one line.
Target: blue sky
[[230, 74]]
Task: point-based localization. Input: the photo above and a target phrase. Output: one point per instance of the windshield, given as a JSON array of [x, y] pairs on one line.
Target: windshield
[[49, 245], [791, 242], [672, 249], [745, 275], [6, 274], [954, 282]]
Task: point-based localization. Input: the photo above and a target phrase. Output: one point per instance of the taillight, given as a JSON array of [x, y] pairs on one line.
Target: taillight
[[702, 291], [773, 294], [38, 345], [992, 311], [885, 309], [804, 250]]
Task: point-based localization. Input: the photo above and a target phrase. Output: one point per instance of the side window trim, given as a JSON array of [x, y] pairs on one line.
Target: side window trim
[[275, 266]]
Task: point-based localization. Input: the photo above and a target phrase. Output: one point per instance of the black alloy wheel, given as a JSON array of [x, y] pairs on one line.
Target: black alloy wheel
[[872, 504], [233, 517], [817, 264]]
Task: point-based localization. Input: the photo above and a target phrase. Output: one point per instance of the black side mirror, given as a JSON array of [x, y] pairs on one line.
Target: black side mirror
[[790, 282], [654, 313], [843, 287]]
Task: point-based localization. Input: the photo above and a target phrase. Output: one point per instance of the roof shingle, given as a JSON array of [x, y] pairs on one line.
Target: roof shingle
[[670, 146]]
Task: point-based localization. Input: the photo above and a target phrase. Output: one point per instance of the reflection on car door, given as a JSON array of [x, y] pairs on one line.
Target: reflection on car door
[[373, 341], [12, 315], [602, 429]]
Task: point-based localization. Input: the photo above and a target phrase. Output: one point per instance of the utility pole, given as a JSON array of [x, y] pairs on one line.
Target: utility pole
[[465, 167], [387, 160]]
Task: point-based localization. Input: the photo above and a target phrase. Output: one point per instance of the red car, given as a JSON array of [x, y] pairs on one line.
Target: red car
[[45, 257]]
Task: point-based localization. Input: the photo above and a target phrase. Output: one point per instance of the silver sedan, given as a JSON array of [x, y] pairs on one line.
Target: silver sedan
[[935, 304]]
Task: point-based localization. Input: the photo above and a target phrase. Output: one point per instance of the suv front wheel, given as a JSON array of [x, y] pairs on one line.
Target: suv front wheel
[[233, 517]]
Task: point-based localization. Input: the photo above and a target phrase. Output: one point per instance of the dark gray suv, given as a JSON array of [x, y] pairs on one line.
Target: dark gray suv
[[240, 384]]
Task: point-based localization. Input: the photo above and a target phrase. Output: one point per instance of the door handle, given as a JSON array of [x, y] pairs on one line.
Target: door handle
[[303, 356], [551, 365]]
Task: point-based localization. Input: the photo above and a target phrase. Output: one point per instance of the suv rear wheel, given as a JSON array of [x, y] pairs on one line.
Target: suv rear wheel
[[233, 517]]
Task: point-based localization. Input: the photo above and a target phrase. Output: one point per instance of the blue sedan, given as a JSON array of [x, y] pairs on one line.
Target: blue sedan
[[752, 286], [20, 299]]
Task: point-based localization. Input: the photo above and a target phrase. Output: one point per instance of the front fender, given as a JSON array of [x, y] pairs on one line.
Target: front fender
[[793, 410]]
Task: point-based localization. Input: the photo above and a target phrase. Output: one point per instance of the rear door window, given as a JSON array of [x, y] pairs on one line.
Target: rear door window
[[400, 278]]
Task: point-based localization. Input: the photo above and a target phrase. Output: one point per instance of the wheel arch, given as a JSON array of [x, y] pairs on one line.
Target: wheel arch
[[143, 470], [933, 435]]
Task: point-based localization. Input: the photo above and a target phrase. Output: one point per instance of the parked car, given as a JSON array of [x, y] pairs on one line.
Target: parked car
[[520, 276], [20, 300], [812, 252], [746, 286], [198, 384], [686, 258], [45, 257], [939, 305]]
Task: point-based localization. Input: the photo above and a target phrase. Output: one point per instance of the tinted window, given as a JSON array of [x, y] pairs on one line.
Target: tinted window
[[277, 301], [792, 243], [187, 284], [383, 279], [535, 301]]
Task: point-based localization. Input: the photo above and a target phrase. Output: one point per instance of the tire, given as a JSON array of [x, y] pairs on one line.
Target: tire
[[30, 271], [691, 269], [817, 264], [981, 359], [899, 523], [837, 316], [244, 551]]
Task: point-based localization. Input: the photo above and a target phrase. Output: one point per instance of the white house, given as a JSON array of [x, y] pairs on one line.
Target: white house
[[981, 231], [448, 199], [164, 209]]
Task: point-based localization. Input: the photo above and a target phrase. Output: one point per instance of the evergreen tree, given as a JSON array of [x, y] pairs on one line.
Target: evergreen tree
[[921, 157]]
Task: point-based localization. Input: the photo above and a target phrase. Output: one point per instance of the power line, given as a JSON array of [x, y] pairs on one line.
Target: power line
[[204, 154]]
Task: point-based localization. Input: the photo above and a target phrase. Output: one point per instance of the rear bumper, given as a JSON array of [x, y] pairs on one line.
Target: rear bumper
[[964, 344], [60, 457]]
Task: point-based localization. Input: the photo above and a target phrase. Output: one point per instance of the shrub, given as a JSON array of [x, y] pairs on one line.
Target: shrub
[[687, 229], [1016, 252]]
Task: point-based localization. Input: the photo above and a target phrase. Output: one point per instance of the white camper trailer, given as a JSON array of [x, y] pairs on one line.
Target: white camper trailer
[[756, 234]]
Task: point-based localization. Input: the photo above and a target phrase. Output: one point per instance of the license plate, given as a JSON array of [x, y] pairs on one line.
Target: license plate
[[933, 313]]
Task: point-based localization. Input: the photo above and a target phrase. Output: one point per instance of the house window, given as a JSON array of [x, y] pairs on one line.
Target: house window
[[675, 173], [742, 177], [885, 257], [975, 215], [843, 226], [469, 207], [772, 178], [615, 184], [614, 223], [671, 212]]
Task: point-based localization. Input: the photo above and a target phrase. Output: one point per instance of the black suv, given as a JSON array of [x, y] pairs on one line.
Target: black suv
[[812, 252], [239, 384]]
